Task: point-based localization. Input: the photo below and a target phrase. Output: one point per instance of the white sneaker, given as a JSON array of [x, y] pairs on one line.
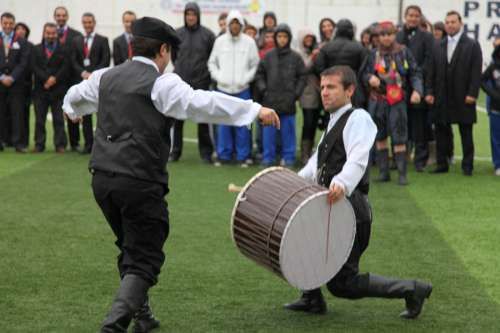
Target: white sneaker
[[244, 165], [497, 172]]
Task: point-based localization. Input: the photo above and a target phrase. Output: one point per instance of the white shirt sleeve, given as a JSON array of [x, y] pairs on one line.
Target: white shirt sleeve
[[175, 98], [309, 170], [82, 99], [359, 136]]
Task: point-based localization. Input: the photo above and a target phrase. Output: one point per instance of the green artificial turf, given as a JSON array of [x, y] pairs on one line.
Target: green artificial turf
[[57, 257]]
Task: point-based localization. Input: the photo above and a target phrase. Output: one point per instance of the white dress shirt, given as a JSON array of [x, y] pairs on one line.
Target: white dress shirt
[[452, 44], [89, 39], [359, 136], [172, 97]]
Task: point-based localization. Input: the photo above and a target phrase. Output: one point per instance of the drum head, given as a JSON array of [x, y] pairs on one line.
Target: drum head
[[317, 241]]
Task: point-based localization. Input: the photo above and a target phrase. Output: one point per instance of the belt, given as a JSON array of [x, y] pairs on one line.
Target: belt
[[103, 172]]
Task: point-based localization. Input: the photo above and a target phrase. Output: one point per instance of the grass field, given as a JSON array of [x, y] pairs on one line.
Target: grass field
[[57, 258]]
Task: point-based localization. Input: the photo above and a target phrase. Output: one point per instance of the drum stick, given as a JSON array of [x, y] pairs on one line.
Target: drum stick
[[233, 188]]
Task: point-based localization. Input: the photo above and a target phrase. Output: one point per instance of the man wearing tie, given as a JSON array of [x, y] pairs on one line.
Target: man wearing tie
[[14, 59], [453, 87], [51, 67], [90, 52], [66, 36], [122, 49]]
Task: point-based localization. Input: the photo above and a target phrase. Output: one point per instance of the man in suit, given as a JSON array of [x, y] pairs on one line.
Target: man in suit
[[51, 68], [122, 49], [453, 87], [420, 43], [66, 36], [90, 52], [14, 59]]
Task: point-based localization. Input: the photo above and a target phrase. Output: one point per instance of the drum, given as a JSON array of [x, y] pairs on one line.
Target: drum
[[284, 223]]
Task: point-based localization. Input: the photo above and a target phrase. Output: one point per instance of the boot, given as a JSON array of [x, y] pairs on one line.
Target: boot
[[382, 157], [131, 295], [311, 301], [306, 151], [144, 319], [414, 292], [432, 153], [401, 163]]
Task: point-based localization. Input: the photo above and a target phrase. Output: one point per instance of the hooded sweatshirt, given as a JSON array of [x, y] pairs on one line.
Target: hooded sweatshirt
[[490, 81], [310, 98], [194, 51], [234, 59]]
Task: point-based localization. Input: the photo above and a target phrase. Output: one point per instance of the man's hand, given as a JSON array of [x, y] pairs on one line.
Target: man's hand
[[50, 82], [429, 99], [415, 97], [85, 75], [7, 81], [374, 82], [470, 100], [269, 117], [335, 193], [77, 120]]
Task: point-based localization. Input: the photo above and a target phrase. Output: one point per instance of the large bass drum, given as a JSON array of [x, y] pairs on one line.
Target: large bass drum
[[285, 224]]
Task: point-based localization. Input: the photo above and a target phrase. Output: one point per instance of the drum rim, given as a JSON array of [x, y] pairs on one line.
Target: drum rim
[[303, 203], [243, 191]]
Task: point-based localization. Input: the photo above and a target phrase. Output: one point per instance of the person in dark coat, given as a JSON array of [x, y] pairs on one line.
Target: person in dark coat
[[453, 87], [421, 44], [122, 49], [191, 66], [343, 50], [51, 67], [281, 78], [14, 59], [23, 31], [90, 53], [269, 23], [394, 79], [490, 83], [66, 36]]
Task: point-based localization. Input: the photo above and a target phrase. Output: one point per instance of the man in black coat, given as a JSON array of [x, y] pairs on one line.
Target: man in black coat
[[343, 50], [420, 43], [122, 49], [51, 67], [14, 59], [453, 87], [191, 66], [66, 36], [90, 52]]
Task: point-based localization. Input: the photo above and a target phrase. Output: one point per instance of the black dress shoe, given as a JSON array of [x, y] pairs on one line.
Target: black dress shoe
[[173, 158], [21, 150], [440, 170], [467, 172], [415, 301], [311, 302]]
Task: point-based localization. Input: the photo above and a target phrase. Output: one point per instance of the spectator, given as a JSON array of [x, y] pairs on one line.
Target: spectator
[[66, 38], [281, 79], [122, 47], [326, 30], [232, 65], [90, 53], [454, 91], [365, 38], [222, 21], [392, 75], [191, 66], [23, 31], [490, 82], [439, 30], [251, 31], [51, 67], [310, 101], [269, 23], [14, 59], [420, 43]]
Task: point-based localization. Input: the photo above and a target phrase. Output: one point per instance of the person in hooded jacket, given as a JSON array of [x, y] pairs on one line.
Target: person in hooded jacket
[[191, 66], [269, 23], [490, 83], [281, 79], [232, 65], [310, 101], [326, 31]]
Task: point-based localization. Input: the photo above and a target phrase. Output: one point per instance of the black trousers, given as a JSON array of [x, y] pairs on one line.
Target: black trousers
[[310, 123], [420, 133], [205, 145], [12, 104], [27, 108], [42, 103], [444, 143], [74, 132], [137, 213]]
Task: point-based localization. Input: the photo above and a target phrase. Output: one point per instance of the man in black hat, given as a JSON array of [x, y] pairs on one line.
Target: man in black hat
[[136, 104]]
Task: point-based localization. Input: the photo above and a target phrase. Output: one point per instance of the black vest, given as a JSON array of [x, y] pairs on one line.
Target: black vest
[[332, 155], [132, 136]]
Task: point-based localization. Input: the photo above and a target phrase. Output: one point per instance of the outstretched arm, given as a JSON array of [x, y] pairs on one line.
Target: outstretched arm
[[175, 98]]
